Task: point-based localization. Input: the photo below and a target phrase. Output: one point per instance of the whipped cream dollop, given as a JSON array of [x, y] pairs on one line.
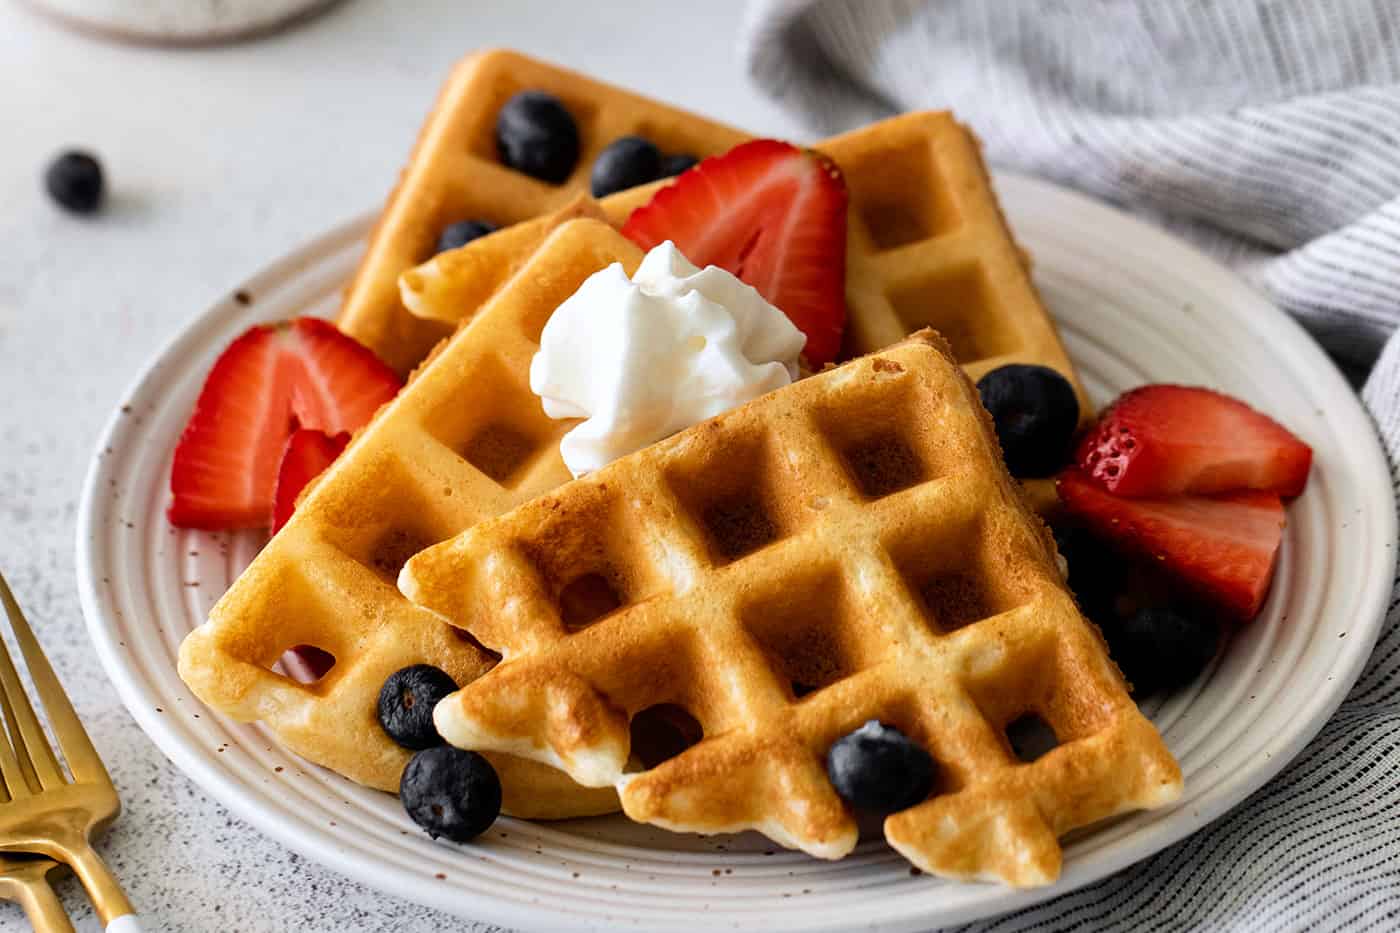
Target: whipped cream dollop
[[642, 358]]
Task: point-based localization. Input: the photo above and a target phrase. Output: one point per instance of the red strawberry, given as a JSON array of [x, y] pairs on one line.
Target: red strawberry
[[1223, 548], [775, 216], [273, 379], [1161, 440], [307, 454]]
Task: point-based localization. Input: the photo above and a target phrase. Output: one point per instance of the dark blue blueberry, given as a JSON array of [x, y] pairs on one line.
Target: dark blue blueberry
[[1035, 412], [626, 163], [450, 792], [406, 704], [74, 180], [462, 233], [1161, 648], [536, 135], [879, 769], [1097, 572], [673, 165]]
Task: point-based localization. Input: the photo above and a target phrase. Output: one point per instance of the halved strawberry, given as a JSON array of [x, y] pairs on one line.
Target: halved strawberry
[[1222, 548], [271, 380], [1161, 440], [307, 454], [775, 216]]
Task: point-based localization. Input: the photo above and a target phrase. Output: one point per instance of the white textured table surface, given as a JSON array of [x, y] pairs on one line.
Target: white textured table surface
[[218, 161]]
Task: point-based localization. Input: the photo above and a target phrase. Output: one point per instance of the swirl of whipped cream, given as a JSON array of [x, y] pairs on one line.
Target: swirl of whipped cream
[[642, 358]]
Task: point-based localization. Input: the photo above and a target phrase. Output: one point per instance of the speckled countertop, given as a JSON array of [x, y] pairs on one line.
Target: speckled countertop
[[219, 161]]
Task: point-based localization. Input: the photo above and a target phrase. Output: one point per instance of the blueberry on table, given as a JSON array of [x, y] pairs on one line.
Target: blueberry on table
[[879, 769], [406, 704], [1161, 648], [450, 792], [627, 162], [74, 180], [536, 135], [676, 163], [462, 233], [1035, 412]]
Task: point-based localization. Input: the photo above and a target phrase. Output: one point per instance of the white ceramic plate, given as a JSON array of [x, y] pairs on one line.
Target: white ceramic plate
[[1134, 305]]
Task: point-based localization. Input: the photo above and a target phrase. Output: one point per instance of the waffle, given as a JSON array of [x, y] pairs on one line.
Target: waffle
[[454, 174], [464, 441], [846, 548], [927, 247]]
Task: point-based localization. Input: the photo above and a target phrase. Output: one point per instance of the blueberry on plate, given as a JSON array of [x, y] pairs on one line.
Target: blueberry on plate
[[406, 704], [462, 233], [1162, 649], [1035, 412], [536, 135], [676, 163], [450, 792], [627, 162], [879, 769], [74, 180], [1097, 573]]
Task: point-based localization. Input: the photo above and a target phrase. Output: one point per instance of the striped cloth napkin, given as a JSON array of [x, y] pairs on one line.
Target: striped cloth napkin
[[1267, 132]]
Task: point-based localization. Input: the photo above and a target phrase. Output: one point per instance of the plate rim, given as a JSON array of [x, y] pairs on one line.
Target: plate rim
[[1094, 866]]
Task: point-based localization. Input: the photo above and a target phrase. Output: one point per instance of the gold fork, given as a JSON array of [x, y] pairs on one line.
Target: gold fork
[[25, 879], [49, 813]]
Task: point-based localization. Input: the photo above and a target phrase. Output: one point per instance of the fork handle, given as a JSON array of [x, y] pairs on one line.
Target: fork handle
[[42, 907], [106, 894]]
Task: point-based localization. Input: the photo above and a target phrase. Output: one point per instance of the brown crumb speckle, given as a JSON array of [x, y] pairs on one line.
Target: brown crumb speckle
[[242, 297]]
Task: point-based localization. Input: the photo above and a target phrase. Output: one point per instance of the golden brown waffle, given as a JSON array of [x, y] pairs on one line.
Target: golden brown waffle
[[454, 174], [927, 247], [464, 441], [847, 548]]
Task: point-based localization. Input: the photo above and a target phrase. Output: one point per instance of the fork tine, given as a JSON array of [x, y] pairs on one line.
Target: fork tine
[[35, 759], [15, 754], [18, 779], [72, 738]]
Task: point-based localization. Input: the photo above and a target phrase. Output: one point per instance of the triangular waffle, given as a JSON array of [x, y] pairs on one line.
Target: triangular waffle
[[927, 246], [844, 549], [464, 441], [453, 174]]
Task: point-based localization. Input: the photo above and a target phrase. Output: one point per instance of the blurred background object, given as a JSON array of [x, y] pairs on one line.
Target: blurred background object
[[179, 21]]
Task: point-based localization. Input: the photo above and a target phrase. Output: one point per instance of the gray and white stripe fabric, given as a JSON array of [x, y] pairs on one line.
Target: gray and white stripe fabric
[[1268, 132]]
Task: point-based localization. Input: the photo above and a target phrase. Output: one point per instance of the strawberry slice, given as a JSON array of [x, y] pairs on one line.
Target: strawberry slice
[[1161, 440], [1223, 548], [307, 454], [271, 380], [775, 216]]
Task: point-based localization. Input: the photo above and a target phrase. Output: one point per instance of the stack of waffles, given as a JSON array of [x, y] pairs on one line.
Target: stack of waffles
[[875, 561]]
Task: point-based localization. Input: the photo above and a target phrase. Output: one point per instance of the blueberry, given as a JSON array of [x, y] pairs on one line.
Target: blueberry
[[1035, 413], [450, 792], [879, 769], [462, 233], [74, 180], [1096, 571], [536, 135], [673, 165], [406, 704], [1161, 648], [626, 163]]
